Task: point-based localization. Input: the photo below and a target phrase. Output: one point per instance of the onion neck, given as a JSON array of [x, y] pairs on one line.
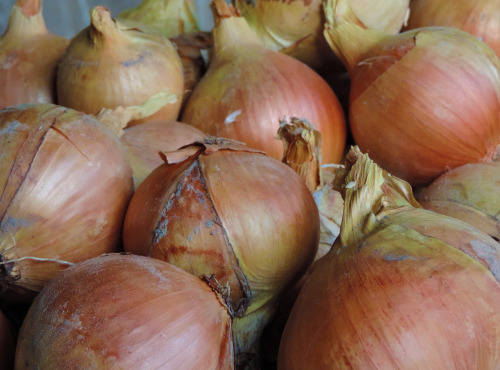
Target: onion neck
[[102, 26], [230, 28], [348, 37], [26, 20]]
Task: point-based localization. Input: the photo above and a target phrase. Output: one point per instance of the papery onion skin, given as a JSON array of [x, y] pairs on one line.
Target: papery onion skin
[[65, 185], [236, 214], [468, 193], [480, 18], [248, 88], [426, 101], [108, 65], [29, 54], [143, 144], [129, 312], [409, 289]]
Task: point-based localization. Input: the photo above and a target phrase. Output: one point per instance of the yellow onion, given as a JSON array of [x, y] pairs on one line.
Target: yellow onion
[[480, 18], [109, 64], [469, 193], [7, 343], [65, 184], [248, 88], [295, 27], [28, 57], [126, 312], [403, 287], [421, 102], [226, 211], [302, 153], [171, 18]]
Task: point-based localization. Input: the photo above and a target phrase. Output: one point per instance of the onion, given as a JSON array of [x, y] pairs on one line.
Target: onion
[[224, 210], [296, 27], [421, 102], [65, 185], [248, 88], [7, 343], [28, 57], [480, 18], [109, 65], [127, 312], [171, 18], [402, 287], [469, 193]]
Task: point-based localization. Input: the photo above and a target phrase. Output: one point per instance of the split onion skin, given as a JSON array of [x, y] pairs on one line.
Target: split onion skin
[[409, 289], [420, 108], [108, 65], [29, 54], [480, 18], [65, 185], [143, 144], [142, 314], [468, 193], [248, 88]]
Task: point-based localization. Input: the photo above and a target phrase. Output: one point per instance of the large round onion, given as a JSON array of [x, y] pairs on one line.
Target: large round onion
[[108, 65], [421, 102], [65, 185], [481, 18], [28, 57], [402, 287], [469, 193], [248, 88], [127, 312], [233, 214]]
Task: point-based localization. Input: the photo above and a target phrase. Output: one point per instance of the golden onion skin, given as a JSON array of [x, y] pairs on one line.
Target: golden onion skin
[[65, 185], [249, 88], [402, 287], [237, 215], [142, 314], [108, 65], [29, 54]]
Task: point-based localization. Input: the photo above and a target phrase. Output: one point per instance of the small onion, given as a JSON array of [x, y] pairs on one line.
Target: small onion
[[227, 211], [126, 312], [469, 193], [248, 88], [65, 185], [402, 287], [28, 57], [421, 102], [108, 65], [480, 18]]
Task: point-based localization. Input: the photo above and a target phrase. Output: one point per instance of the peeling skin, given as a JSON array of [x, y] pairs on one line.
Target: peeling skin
[[69, 141]]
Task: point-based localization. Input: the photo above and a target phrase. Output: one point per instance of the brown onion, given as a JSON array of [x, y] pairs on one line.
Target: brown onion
[[421, 102], [221, 209], [28, 57], [248, 88], [402, 287], [469, 193], [480, 18], [109, 64], [296, 27], [127, 312], [65, 185]]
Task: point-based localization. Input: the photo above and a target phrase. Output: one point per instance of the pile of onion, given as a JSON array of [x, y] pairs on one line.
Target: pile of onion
[[127, 312], [469, 193], [109, 64], [480, 18], [222, 210], [28, 57], [65, 185], [248, 88], [403, 287], [421, 102], [296, 27]]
